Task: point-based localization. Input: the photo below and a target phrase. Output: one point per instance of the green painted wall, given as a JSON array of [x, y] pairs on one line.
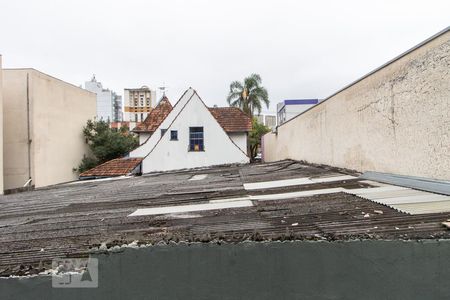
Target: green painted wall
[[290, 270]]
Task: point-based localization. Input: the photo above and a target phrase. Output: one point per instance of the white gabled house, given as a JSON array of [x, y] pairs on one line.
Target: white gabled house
[[187, 135], [191, 136]]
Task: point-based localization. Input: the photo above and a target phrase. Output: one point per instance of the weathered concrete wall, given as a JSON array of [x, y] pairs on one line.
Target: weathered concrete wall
[[15, 146], [396, 120], [291, 270], [58, 112], [1, 127]]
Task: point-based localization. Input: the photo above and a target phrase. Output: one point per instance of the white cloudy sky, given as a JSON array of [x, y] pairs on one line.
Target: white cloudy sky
[[302, 49]]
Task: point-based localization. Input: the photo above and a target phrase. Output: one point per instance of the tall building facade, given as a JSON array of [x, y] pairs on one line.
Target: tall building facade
[[117, 108], [109, 104], [270, 120], [288, 109], [138, 103]]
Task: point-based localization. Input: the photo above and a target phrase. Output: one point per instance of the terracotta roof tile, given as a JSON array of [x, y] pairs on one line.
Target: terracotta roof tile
[[114, 167], [232, 119], [155, 117]]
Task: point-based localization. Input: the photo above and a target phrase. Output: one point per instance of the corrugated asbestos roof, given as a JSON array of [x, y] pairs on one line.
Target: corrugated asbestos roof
[[74, 219]]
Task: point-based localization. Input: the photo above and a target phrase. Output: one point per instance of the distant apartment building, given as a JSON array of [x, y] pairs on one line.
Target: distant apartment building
[[138, 102], [109, 104], [270, 120], [288, 109], [42, 139], [117, 108]]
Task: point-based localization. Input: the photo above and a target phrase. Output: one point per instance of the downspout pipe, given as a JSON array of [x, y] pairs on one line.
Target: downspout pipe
[[28, 129]]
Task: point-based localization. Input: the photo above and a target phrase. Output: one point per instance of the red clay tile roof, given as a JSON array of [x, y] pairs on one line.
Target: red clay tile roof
[[232, 119], [114, 167], [155, 117]]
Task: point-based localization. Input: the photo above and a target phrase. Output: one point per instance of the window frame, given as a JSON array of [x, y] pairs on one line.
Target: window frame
[[196, 140], [176, 135]]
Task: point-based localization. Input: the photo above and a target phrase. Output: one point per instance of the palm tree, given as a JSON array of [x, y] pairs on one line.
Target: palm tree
[[248, 95]]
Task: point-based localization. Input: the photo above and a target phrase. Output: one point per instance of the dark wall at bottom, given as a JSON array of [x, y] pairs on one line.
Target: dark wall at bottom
[[289, 270]]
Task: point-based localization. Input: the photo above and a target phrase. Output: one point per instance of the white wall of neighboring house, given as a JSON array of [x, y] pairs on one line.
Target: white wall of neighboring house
[[240, 139], [164, 154], [147, 146], [143, 137]]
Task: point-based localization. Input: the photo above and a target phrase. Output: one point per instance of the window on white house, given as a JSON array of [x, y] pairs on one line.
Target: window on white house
[[135, 117], [196, 142], [174, 135], [142, 117], [163, 131]]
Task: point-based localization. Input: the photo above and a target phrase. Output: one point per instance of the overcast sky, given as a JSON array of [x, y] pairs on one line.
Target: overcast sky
[[301, 49]]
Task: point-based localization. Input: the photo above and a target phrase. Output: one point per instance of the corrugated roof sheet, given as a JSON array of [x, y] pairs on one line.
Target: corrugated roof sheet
[[72, 219]]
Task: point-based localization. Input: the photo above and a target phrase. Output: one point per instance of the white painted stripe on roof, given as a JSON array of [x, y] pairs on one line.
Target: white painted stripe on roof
[[229, 199], [189, 208], [199, 177], [276, 183], [424, 207], [427, 198], [391, 194], [293, 181], [98, 180], [365, 191], [296, 194], [331, 179]]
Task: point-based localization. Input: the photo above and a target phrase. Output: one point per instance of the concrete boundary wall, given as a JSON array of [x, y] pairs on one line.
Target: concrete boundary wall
[[251, 270], [43, 133], [395, 120], [1, 127]]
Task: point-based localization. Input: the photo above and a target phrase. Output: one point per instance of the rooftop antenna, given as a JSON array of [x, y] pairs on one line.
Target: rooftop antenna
[[163, 89]]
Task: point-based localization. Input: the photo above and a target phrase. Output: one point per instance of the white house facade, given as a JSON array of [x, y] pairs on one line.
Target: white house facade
[[189, 137]]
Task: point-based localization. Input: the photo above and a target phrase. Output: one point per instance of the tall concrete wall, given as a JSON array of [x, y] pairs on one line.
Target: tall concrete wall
[[1, 127], [58, 112], [15, 145], [274, 270], [395, 120]]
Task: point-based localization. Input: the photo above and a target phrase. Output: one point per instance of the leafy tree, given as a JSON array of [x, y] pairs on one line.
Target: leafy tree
[[258, 130], [105, 143], [248, 95]]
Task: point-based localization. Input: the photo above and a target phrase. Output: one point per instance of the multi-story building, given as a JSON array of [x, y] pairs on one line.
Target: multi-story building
[[287, 109], [117, 108], [270, 120], [138, 103], [109, 104], [42, 141]]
